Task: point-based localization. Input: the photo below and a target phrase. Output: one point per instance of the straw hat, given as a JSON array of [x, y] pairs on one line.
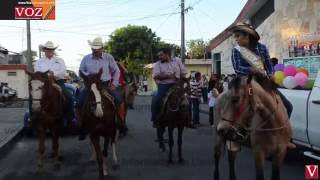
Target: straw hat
[[48, 45], [96, 43], [247, 28]]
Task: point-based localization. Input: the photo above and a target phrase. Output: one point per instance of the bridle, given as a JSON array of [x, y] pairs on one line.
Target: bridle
[[250, 94]]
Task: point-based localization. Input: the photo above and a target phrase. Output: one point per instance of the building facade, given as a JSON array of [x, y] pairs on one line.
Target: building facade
[[277, 22]]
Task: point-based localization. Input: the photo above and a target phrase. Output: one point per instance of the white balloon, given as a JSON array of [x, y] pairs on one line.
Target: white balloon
[[289, 82]]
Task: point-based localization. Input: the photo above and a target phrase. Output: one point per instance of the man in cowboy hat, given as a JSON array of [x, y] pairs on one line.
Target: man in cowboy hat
[[57, 67], [91, 64]]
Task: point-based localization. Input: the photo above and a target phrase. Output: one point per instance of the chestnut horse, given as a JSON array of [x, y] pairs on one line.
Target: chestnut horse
[[252, 105], [175, 114], [48, 105], [98, 115]]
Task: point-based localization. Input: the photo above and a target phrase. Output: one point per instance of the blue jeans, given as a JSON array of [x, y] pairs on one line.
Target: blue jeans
[[69, 99], [156, 100], [84, 93], [195, 111]]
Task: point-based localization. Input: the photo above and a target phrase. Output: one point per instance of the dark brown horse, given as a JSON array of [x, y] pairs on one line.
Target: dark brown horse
[[98, 115], [175, 114], [253, 105], [48, 105]]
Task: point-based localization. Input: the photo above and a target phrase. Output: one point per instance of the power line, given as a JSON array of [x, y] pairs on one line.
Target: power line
[[69, 32]]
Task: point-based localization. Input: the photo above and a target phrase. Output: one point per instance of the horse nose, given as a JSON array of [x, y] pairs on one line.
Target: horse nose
[[235, 99]]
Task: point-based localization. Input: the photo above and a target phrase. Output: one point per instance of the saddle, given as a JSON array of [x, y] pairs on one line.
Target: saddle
[[106, 94]]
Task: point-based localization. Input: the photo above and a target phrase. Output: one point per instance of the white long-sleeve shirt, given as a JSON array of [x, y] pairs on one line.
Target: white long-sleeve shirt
[[55, 64]]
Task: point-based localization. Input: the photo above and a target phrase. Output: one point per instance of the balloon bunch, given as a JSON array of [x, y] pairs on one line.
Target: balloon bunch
[[291, 77]]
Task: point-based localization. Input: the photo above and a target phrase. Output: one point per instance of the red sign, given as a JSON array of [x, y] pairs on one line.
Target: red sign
[[28, 12], [311, 172]]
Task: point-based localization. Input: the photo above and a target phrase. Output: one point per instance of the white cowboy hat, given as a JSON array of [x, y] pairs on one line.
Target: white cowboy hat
[[96, 43], [48, 45]]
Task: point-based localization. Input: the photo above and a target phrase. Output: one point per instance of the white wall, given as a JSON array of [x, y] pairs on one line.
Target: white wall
[[18, 82], [225, 48]]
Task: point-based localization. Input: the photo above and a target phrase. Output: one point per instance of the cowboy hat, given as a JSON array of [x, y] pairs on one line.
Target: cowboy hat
[[48, 45], [96, 43], [247, 28]]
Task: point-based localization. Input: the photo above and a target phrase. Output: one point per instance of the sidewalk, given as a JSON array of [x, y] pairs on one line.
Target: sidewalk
[[11, 125]]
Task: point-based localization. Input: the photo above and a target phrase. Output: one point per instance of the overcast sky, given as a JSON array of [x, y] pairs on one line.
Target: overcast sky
[[78, 21]]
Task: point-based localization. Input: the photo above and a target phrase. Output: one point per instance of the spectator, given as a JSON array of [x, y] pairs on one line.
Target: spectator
[[205, 85], [212, 95], [274, 61], [195, 98]]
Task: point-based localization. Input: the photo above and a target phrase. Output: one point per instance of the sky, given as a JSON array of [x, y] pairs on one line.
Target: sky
[[78, 21]]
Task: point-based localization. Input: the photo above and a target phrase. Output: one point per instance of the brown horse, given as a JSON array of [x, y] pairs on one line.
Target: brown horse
[[253, 104], [175, 114], [48, 105], [128, 92], [98, 115]]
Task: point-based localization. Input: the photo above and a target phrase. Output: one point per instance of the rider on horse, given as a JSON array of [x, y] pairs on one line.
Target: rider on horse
[[251, 56], [166, 72], [91, 64], [57, 67]]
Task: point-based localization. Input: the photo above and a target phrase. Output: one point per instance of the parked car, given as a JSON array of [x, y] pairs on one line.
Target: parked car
[[305, 118]]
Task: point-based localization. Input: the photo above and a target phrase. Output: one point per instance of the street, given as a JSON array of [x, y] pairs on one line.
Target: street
[[139, 156]]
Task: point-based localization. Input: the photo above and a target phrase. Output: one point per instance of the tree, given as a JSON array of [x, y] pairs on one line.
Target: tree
[[197, 48], [133, 42], [136, 43]]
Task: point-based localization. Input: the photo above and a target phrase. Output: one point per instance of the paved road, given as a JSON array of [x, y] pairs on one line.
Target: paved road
[[139, 157]]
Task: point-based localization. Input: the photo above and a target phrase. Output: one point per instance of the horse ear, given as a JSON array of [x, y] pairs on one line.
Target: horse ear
[[100, 72], [29, 73]]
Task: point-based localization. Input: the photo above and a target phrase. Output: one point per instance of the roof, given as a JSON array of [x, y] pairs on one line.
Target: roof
[[249, 9], [13, 67]]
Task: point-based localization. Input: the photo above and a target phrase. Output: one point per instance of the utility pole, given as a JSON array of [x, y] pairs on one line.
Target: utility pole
[[29, 54], [182, 32]]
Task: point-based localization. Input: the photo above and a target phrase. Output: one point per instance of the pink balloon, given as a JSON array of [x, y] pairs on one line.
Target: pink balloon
[[290, 70], [301, 79]]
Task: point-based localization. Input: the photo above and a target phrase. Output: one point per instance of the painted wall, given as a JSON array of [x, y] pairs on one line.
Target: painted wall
[[18, 82], [290, 18]]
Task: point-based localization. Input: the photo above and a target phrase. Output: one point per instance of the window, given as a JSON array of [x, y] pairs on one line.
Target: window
[[217, 56], [12, 73], [264, 12]]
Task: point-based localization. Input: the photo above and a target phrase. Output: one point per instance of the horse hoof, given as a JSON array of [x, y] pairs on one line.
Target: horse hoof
[[115, 166]]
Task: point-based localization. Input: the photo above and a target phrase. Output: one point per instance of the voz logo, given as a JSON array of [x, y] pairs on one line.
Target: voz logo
[[28, 12], [311, 172]]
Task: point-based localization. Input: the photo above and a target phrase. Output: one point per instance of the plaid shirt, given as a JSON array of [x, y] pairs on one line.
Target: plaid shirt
[[240, 65]]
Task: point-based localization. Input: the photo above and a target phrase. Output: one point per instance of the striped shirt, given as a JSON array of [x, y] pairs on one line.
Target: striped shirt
[[196, 89]]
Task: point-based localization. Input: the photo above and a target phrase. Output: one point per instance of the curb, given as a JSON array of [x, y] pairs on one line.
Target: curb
[[9, 145]]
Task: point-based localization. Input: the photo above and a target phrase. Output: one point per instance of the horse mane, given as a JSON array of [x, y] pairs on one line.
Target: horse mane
[[264, 81]]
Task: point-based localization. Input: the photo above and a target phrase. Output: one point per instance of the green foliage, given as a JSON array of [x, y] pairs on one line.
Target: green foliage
[[136, 46], [134, 42], [197, 48]]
